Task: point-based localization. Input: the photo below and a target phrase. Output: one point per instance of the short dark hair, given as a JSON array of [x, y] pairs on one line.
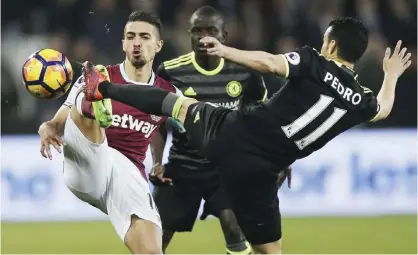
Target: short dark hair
[[148, 18], [351, 37], [208, 11]]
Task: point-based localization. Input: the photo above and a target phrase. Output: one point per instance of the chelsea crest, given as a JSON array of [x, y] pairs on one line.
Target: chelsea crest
[[234, 88]]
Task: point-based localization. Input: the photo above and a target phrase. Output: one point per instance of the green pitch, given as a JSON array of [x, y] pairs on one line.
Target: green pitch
[[396, 234]]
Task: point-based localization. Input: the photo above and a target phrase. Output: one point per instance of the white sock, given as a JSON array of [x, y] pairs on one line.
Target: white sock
[[78, 103]]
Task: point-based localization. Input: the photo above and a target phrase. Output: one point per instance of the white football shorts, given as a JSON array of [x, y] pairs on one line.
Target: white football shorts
[[106, 179]]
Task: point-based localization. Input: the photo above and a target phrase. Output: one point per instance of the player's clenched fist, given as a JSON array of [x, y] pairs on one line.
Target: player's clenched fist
[[214, 47], [398, 62], [156, 176], [50, 135]]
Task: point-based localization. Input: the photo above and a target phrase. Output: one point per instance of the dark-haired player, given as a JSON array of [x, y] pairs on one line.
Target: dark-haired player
[[321, 99], [104, 167], [210, 79]]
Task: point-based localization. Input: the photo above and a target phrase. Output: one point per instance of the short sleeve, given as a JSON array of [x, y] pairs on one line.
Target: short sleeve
[[301, 62], [257, 88], [167, 85], [162, 73], [78, 84]]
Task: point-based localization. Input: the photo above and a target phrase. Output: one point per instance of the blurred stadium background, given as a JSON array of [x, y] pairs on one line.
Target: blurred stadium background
[[357, 195]]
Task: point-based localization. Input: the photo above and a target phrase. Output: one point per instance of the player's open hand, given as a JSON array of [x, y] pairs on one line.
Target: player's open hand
[[156, 176], [214, 47], [285, 174], [398, 62], [50, 135]]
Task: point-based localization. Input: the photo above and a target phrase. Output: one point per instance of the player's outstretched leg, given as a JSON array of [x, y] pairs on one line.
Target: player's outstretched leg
[[143, 237], [148, 99], [90, 117], [235, 239], [84, 120], [85, 152]]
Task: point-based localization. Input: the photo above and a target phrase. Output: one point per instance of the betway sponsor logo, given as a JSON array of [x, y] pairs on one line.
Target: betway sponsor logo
[[233, 105], [127, 121]]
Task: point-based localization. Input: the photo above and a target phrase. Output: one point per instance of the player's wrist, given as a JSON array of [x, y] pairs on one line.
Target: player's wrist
[[156, 164], [51, 123], [227, 51], [391, 75], [390, 80]]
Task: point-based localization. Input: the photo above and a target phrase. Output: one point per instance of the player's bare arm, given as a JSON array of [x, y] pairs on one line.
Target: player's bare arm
[[158, 145], [156, 175], [50, 132], [258, 60], [393, 66]]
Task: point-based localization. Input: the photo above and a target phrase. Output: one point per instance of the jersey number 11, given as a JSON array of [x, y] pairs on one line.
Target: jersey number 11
[[308, 117]]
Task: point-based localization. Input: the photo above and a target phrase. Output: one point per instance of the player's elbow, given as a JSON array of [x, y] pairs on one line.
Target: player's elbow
[[385, 107], [382, 114]]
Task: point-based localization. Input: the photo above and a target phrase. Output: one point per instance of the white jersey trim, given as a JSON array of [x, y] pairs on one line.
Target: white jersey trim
[[178, 92], [74, 91], [126, 78]]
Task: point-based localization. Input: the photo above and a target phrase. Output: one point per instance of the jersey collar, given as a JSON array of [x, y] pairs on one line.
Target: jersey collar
[[206, 72], [126, 78], [346, 69]]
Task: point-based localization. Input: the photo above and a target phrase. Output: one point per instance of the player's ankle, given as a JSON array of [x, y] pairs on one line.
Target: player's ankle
[[84, 107], [242, 247], [103, 88]]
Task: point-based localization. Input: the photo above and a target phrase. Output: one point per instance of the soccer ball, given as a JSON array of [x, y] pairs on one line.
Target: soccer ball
[[47, 74]]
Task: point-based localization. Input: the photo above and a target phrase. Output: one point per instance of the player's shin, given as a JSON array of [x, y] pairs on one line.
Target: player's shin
[[88, 126], [84, 107], [235, 239], [145, 98]]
